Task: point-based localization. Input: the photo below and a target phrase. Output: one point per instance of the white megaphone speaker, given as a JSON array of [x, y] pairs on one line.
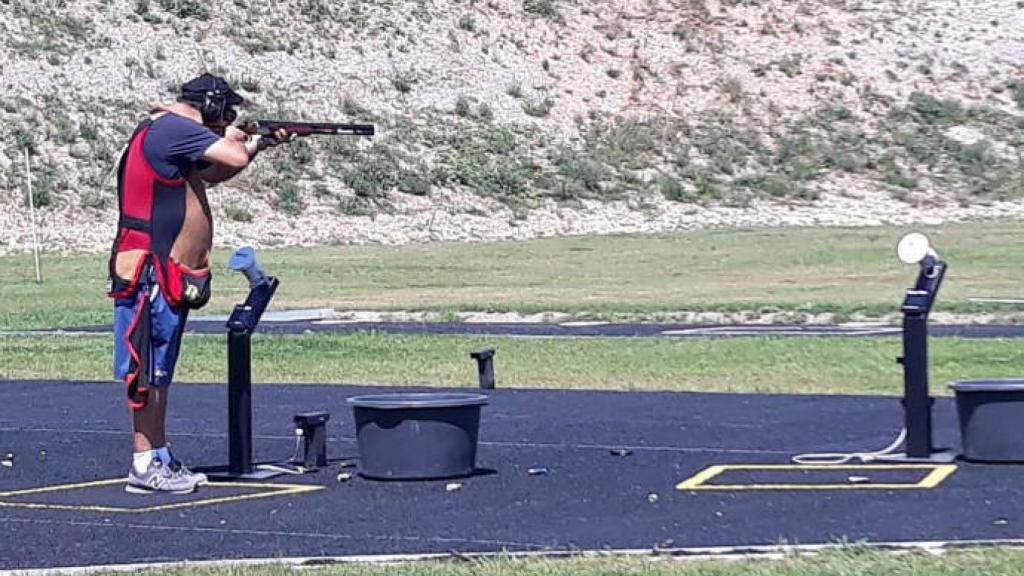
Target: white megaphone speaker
[[244, 261], [914, 248]]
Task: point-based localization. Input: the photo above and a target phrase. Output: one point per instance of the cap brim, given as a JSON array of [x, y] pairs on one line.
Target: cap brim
[[234, 99]]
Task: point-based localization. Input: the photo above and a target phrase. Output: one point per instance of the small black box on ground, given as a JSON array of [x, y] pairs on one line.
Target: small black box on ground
[[313, 428]]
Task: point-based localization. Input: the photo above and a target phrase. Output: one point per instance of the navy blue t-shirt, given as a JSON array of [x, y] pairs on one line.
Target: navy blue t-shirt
[[174, 145]]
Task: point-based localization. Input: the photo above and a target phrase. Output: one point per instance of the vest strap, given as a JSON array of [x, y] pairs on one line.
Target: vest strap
[[134, 223]]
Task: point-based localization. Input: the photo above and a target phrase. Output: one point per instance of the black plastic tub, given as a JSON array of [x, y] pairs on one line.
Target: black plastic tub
[[417, 436], [991, 414]]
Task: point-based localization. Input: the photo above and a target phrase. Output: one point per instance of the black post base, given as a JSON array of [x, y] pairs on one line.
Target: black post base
[[938, 456], [224, 475]]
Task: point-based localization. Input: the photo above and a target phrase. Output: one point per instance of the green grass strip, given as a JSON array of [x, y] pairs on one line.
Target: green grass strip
[[803, 269], [842, 562], [755, 364]]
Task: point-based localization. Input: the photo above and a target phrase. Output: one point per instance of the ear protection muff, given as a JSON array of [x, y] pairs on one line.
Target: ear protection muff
[[212, 107], [213, 98]]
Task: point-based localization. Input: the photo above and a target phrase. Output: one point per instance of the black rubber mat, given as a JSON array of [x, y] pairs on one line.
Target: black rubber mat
[[612, 460]]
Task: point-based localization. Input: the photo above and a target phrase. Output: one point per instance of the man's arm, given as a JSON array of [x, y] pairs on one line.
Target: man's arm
[[229, 155], [219, 173]]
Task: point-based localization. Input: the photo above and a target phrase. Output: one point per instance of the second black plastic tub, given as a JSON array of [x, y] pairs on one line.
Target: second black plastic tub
[[417, 436], [991, 414]]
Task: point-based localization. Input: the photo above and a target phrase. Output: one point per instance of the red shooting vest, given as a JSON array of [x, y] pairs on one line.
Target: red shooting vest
[[151, 214]]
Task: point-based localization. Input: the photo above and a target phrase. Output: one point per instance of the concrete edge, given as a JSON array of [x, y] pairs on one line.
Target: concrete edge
[[766, 552]]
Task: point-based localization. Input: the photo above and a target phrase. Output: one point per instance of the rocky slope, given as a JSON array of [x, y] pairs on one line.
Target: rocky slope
[[524, 118]]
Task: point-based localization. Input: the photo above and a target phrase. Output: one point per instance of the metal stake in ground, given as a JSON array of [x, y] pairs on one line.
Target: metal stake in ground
[[32, 215], [485, 367]]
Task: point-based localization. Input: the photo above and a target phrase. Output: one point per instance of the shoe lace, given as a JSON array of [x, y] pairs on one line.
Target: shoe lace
[[163, 475], [178, 468]]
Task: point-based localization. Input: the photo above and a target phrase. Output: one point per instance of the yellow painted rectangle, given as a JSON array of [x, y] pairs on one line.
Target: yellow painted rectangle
[[936, 474], [269, 490]]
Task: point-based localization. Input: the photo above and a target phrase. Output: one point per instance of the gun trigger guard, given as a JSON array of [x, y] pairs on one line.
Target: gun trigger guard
[[265, 142]]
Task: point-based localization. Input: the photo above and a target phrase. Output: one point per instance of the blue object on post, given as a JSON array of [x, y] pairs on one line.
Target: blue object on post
[[244, 261]]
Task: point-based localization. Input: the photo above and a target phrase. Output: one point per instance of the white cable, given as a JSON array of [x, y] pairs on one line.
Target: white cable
[[843, 458], [288, 466], [283, 468]]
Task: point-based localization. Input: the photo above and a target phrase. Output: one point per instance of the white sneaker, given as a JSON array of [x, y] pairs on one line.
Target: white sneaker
[[159, 478], [179, 468]]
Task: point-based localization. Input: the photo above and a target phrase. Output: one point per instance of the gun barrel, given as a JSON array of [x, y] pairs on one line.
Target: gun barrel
[[268, 127]]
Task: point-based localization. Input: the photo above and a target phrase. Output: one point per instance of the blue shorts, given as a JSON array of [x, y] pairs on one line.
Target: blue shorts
[[166, 327]]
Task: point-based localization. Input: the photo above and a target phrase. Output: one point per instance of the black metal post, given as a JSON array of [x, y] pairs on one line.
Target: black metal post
[[239, 403], [485, 367], [240, 325], [917, 404]]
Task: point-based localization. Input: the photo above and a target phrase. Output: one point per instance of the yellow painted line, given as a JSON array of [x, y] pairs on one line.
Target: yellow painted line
[[937, 476], [830, 466], [61, 487], [701, 477], [742, 487], [937, 473], [112, 481], [272, 490]]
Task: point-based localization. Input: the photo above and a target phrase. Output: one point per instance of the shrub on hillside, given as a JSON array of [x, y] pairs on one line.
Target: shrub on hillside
[[289, 199], [186, 8], [932, 110]]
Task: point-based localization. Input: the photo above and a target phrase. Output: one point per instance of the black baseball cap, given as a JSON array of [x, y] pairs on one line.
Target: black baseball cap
[[210, 85]]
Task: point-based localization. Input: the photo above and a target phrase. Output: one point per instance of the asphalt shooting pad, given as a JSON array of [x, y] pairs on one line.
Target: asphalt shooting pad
[[558, 471]]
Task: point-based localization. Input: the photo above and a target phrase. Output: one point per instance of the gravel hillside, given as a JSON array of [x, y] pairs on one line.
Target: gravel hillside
[[525, 118]]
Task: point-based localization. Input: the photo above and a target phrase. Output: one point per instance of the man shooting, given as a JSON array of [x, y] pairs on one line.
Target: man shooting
[[160, 260]]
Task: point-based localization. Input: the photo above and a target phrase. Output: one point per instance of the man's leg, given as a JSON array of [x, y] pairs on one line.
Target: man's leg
[[142, 330], [133, 360], [148, 423], [168, 328], [149, 471]]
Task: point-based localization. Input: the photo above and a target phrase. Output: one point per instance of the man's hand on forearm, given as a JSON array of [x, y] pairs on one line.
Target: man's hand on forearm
[[280, 136], [252, 145]]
